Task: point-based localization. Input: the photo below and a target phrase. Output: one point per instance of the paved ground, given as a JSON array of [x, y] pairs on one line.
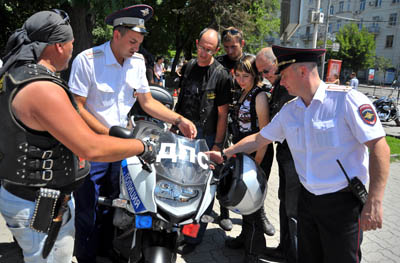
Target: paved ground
[[378, 246]]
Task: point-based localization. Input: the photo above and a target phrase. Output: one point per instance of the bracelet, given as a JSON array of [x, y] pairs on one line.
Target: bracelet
[[178, 120]]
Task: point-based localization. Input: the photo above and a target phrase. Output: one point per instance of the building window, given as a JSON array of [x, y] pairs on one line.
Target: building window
[[330, 26], [339, 25], [393, 19], [362, 5], [389, 41], [341, 6], [310, 1], [395, 1], [360, 25], [378, 2], [331, 9], [348, 5], [375, 20]]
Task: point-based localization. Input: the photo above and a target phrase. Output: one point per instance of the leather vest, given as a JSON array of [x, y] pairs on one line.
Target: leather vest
[[29, 157], [189, 101], [254, 128]]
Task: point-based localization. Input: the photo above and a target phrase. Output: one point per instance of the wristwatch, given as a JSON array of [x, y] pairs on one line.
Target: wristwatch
[[178, 120]]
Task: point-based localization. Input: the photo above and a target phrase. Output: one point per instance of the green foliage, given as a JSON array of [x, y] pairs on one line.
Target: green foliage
[[382, 63], [357, 47], [173, 29], [266, 23], [13, 13]]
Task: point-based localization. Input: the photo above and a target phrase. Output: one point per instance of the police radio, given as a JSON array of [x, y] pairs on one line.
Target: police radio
[[356, 186]]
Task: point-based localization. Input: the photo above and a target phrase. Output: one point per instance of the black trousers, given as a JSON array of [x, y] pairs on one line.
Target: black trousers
[[329, 228], [289, 190], [253, 232]]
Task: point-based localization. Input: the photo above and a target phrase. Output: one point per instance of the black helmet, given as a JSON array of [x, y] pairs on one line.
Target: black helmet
[[243, 185]]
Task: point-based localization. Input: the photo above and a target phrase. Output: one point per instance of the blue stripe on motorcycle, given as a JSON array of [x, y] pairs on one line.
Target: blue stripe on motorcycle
[[137, 204]]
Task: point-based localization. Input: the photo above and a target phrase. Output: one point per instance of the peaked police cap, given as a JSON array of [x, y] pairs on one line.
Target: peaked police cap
[[132, 16], [287, 56]]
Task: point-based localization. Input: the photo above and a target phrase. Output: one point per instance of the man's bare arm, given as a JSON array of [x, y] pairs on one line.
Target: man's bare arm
[[157, 110], [93, 123], [379, 162], [45, 106]]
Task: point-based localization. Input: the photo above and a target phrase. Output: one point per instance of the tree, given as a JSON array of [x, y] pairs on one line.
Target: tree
[[175, 26], [357, 47], [382, 64]]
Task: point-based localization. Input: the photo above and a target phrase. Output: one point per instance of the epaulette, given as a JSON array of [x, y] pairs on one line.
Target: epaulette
[[91, 53], [341, 88], [138, 55]]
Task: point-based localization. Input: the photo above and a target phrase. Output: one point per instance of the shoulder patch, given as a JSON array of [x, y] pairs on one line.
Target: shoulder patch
[[341, 88], [138, 55], [93, 53], [367, 114]]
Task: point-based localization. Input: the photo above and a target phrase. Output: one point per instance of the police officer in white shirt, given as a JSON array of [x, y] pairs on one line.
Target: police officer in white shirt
[[106, 81], [322, 125]]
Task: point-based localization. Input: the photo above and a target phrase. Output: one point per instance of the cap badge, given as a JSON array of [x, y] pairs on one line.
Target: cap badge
[[145, 12]]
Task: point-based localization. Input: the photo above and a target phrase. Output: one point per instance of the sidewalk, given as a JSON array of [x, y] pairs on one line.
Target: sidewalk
[[378, 246]]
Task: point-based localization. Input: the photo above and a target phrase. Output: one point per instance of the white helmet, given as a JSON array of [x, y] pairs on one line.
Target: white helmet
[[243, 185]]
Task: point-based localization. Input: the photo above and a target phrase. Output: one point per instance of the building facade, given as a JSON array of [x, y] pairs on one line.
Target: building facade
[[380, 17]]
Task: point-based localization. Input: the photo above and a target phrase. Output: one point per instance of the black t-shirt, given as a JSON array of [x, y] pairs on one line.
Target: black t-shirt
[[195, 81], [225, 61]]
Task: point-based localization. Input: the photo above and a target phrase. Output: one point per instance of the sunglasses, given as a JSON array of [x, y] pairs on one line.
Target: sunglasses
[[231, 31], [266, 71], [64, 15]]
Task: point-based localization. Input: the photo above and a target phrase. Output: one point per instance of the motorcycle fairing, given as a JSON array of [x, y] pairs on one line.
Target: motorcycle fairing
[[141, 185]]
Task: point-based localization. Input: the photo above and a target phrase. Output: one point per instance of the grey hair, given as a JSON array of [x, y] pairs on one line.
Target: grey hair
[[268, 54]]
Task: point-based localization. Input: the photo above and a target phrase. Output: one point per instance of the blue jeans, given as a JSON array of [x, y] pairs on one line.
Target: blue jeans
[[94, 227], [17, 212]]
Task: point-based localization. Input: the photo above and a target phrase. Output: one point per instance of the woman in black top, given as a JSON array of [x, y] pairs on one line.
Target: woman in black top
[[251, 112]]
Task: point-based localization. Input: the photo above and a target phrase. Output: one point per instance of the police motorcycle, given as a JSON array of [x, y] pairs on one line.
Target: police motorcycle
[[387, 110], [162, 201]]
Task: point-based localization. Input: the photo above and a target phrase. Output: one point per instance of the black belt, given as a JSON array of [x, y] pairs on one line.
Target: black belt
[[24, 192], [345, 190]]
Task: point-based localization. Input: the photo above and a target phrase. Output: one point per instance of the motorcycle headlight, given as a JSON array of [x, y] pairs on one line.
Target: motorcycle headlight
[[386, 108], [166, 190]]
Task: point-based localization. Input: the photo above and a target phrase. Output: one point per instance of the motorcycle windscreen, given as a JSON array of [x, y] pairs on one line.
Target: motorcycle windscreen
[[182, 160], [179, 159]]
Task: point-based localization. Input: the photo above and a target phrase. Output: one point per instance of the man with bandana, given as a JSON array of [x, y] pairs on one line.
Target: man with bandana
[[41, 135], [338, 144], [106, 81]]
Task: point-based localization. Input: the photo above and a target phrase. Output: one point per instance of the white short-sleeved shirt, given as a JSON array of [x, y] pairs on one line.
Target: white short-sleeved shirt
[[334, 126], [108, 86], [354, 83]]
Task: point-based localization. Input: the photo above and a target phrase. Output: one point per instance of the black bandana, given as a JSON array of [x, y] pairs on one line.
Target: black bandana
[[27, 43]]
